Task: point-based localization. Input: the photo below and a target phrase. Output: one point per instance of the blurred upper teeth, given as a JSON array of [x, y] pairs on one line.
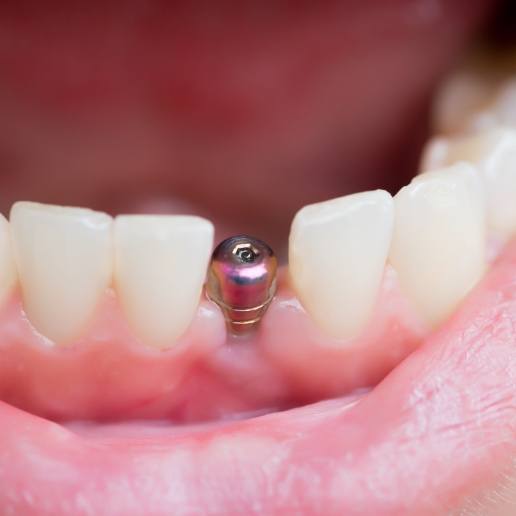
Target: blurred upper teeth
[[471, 101], [493, 152]]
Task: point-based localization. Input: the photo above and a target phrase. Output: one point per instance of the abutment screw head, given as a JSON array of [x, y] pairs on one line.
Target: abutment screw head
[[242, 280]]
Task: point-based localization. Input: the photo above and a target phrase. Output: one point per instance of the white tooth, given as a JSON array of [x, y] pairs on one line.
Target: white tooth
[[439, 241], [160, 267], [337, 254], [64, 260], [494, 154], [7, 268]]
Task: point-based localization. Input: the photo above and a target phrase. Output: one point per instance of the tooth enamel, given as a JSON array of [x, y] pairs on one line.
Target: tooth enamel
[[337, 254], [160, 267], [494, 154], [7, 267], [64, 261], [439, 242]]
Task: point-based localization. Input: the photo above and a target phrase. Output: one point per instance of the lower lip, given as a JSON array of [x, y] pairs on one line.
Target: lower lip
[[439, 428]]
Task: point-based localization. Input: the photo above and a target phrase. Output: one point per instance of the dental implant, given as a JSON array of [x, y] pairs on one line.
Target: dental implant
[[242, 281]]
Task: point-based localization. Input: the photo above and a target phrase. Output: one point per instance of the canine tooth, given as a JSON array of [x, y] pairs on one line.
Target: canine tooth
[[7, 267], [64, 261], [493, 153], [439, 241], [337, 254], [160, 267]]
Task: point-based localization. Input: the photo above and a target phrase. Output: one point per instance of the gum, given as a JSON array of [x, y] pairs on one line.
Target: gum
[[108, 374]]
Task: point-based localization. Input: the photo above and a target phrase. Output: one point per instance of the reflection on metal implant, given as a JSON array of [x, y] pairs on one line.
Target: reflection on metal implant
[[242, 281]]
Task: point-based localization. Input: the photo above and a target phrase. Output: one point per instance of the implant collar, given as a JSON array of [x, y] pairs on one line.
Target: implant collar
[[242, 281]]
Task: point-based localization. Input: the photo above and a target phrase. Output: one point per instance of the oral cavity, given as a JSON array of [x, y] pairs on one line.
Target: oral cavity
[[143, 343], [140, 341], [493, 153], [369, 275]]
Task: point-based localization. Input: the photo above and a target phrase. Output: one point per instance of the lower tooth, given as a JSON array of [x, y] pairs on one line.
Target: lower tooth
[[494, 154], [337, 255], [64, 261], [439, 242], [7, 267], [160, 267]]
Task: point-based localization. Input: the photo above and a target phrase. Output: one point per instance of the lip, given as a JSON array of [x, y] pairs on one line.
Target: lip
[[438, 429]]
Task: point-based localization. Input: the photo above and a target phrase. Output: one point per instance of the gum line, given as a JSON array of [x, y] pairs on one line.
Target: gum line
[[109, 374]]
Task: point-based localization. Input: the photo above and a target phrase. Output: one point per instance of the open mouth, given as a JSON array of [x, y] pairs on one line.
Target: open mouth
[[380, 379]]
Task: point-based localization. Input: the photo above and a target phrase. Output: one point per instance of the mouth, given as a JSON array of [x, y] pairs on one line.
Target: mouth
[[380, 379]]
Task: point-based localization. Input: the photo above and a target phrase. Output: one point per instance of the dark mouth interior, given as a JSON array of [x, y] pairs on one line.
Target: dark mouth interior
[[272, 108]]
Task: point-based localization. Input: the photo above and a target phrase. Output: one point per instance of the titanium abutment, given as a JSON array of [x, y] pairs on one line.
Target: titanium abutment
[[242, 281]]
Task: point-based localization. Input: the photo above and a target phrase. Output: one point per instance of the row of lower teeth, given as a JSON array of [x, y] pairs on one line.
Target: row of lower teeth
[[433, 233]]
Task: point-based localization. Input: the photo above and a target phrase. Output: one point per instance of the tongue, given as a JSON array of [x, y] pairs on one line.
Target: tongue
[[438, 430]]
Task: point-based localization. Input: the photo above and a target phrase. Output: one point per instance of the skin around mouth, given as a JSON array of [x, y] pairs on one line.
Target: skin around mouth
[[125, 112]]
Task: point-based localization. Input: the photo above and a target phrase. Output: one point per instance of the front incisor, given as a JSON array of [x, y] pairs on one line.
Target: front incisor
[[337, 254], [160, 267], [64, 261]]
